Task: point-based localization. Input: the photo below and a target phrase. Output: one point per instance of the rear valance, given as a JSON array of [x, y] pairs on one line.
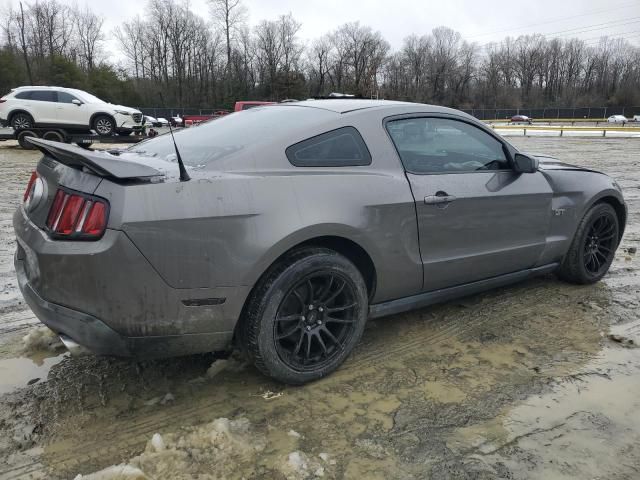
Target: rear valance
[[102, 164]]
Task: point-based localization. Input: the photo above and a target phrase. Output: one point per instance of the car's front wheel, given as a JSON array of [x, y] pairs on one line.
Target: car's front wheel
[[593, 247], [21, 121], [305, 316], [104, 125]]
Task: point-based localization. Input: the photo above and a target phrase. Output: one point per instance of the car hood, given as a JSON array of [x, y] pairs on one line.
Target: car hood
[[125, 109], [550, 163]]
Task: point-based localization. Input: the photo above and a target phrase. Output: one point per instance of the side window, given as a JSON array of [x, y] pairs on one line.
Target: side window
[[337, 148], [24, 95], [440, 145], [64, 97], [44, 95]]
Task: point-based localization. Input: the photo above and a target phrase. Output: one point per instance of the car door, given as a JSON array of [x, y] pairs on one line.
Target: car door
[[43, 104], [69, 113], [477, 218]]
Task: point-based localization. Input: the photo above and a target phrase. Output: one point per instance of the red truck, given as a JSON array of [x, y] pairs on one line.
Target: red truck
[[246, 105]]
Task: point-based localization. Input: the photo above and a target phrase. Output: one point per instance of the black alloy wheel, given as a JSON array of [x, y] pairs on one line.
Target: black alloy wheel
[[600, 244], [315, 320], [593, 247], [304, 316]]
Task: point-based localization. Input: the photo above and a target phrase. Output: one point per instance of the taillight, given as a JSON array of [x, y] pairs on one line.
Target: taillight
[[75, 216], [2, 100], [32, 180]]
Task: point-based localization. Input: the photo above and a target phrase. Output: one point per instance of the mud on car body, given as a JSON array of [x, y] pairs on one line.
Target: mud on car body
[[299, 222]]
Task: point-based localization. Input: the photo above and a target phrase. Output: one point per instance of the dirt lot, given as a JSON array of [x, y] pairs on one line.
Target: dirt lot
[[538, 380]]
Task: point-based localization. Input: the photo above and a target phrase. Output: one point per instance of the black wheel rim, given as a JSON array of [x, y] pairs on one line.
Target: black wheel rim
[[315, 320], [599, 245]]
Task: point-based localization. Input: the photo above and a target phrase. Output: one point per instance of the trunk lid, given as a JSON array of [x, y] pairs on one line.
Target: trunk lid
[[81, 170]]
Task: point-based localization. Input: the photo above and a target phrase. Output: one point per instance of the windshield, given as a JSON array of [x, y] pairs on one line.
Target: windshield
[[230, 134], [87, 97]]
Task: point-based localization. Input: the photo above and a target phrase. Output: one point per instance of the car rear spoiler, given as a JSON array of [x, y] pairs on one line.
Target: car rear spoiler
[[102, 164]]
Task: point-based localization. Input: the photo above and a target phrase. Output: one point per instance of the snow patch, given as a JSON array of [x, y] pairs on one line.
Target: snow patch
[[223, 448], [41, 338]]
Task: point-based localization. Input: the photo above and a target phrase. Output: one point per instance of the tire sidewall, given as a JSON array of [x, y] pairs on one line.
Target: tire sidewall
[[274, 297]]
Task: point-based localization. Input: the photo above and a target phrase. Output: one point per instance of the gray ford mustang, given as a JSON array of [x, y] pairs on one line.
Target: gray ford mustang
[[289, 225]]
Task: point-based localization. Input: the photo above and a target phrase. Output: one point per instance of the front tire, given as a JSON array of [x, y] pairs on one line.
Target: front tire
[[104, 125], [305, 316], [593, 247]]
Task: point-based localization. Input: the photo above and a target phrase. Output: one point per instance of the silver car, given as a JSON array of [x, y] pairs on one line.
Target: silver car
[[291, 224]]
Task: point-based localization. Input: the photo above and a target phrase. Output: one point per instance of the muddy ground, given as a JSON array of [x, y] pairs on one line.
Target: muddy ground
[[538, 380]]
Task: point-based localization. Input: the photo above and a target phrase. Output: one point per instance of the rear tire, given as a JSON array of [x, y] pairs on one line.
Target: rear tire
[[54, 136], [104, 125], [305, 316], [21, 121], [22, 139], [593, 247]]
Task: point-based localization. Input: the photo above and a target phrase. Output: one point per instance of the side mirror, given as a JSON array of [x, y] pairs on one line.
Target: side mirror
[[524, 163], [77, 102]]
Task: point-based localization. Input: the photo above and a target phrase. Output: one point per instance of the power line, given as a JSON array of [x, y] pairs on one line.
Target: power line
[[598, 26], [558, 34], [620, 7]]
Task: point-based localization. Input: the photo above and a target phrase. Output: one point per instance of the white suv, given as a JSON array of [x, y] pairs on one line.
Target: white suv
[[29, 107]]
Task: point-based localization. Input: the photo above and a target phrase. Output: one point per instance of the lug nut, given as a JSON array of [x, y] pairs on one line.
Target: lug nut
[[303, 318], [310, 307], [321, 309], [308, 328], [319, 322]]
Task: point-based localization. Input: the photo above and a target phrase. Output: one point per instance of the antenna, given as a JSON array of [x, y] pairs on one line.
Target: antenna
[[184, 176]]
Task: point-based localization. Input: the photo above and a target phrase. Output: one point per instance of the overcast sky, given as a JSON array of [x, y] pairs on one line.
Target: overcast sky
[[477, 20]]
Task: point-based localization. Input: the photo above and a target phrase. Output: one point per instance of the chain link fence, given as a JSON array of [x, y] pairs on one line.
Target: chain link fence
[[553, 113]]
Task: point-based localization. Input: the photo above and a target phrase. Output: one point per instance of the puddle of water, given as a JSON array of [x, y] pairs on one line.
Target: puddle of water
[[19, 372]]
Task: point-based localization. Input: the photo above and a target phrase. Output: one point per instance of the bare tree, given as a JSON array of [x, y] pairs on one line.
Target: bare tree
[[230, 15]]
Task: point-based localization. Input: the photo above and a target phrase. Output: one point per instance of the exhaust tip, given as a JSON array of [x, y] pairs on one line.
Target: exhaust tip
[[75, 349]]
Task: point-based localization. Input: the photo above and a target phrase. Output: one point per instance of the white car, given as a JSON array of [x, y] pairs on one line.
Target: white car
[[163, 121], [617, 119], [29, 107]]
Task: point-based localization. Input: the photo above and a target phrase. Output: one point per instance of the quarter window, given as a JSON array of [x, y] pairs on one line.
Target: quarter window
[[440, 145], [338, 148], [43, 95], [24, 95]]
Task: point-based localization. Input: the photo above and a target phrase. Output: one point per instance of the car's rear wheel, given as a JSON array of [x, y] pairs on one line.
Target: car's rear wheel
[[593, 247], [305, 316], [21, 121], [104, 125]]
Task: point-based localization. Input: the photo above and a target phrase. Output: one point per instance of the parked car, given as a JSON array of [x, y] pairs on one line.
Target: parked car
[[246, 105], [521, 119], [176, 121], [151, 121], [617, 119], [287, 239], [636, 118], [28, 107], [163, 122]]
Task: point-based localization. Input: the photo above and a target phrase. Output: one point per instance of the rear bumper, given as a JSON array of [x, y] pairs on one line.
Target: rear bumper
[[105, 296], [96, 336]]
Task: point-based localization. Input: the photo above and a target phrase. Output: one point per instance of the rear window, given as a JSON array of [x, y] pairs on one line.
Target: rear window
[[338, 148], [44, 96], [231, 134]]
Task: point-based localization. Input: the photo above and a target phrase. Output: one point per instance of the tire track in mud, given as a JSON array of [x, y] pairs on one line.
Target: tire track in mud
[[454, 323]]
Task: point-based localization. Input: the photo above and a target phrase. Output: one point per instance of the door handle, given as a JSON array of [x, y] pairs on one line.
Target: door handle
[[440, 198]]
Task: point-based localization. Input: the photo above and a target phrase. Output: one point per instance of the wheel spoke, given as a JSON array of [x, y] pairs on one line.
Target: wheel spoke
[[332, 337], [325, 290], [299, 297], [337, 292], [338, 320], [341, 309], [288, 332], [298, 345], [289, 318], [310, 296], [309, 337], [322, 344]]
